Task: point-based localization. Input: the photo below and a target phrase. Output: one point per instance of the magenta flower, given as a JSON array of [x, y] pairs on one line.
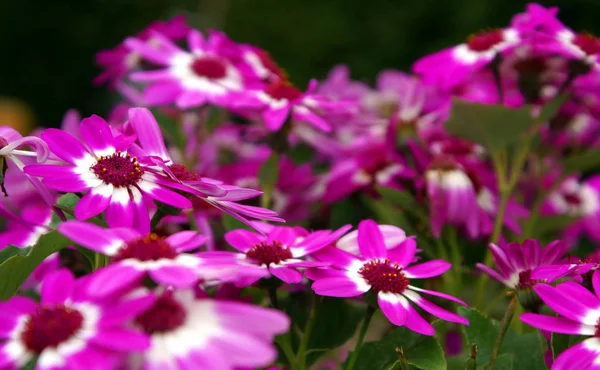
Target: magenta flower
[[516, 261], [68, 330], [152, 151], [279, 252], [386, 274], [394, 239], [580, 315], [189, 78], [114, 180], [191, 333], [25, 229], [135, 255]]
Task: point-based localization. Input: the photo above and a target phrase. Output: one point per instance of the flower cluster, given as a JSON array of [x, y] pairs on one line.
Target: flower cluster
[[154, 239]]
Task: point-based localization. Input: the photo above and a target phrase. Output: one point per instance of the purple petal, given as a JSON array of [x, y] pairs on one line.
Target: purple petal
[[242, 240], [96, 133], [557, 324], [338, 287], [284, 234], [121, 340], [64, 146], [94, 202], [553, 252], [90, 236], [596, 282], [164, 195], [404, 253], [121, 210], [370, 240], [57, 287], [438, 294], [177, 276], [275, 117], [427, 269], [113, 279], [416, 323], [580, 356], [258, 321], [119, 313], [186, 240], [148, 132], [434, 309], [323, 273], [493, 273], [337, 257], [394, 307], [286, 274]]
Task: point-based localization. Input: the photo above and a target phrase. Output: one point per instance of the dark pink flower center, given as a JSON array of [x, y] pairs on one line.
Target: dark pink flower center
[[183, 174], [209, 67], [458, 147], [50, 326], [3, 142], [149, 248], [525, 280], [484, 41], [166, 315], [269, 63], [588, 43], [267, 254], [573, 199], [118, 169], [384, 276], [283, 90]]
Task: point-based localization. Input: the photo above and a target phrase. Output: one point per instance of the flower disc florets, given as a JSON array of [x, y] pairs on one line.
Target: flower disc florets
[[587, 42], [183, 174], [384, 276], [118, 169], [282, 90], [50, 326], [269, 253], [149, 248], [166, 315], [209, 67], [484, 41]]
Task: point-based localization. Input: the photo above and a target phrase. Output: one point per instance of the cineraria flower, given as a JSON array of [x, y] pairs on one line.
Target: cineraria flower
[[516, 261], [450, 67], [153, 152], [386, 275], [580, 315], [190, 79], [394, 239], [67, 329], [278, 252], [197, 333], [135, 255], [116, 181]]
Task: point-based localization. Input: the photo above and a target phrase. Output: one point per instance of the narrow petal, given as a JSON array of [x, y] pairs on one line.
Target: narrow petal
[[186, 240], [177, 276], [394, 307], [164, 195], [434, 309], [94, 202], [284, 234], [121, 340], [404, 253], [557, 324], [338, 258], [337, 287], [148, 132], [370, 240], [580, 356], [438, 294], [417, 323], [275, 117], [596, 282], [288, 275], [120, 210], [427, 269], [64, 146], [113, 279]]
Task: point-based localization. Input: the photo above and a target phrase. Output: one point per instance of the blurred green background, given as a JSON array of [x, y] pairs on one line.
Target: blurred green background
[[48, 47]]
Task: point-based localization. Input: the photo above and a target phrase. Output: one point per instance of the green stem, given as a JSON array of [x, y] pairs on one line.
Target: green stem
[[159, 215], [310, 324], [285, 344], [97, 257], [361, 337], [189, 213], [273, 297], [508, 315]]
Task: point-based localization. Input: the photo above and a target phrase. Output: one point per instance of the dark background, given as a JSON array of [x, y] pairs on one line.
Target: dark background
[[47, 48]]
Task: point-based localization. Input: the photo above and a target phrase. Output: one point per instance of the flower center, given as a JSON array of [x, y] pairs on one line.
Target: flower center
[[458, 147], [587, 42], [283, 90], [3, 142], [183, 174], [384, 276], [484, 41], [573, 199], [118, 169], [525, 280], [166, 315], [149, 248], [50, 326], [267, 254], [209, 67]]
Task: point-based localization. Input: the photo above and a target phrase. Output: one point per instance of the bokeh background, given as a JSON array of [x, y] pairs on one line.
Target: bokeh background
[[47, 48]]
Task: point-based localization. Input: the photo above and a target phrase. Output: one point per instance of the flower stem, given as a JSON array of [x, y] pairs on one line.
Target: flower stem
[[361, 337], [310, 324], [508, 315]]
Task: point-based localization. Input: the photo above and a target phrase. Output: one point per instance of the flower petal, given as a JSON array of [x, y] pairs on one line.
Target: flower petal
[[394, 307], [557, 324], [370, 240], [427, 269], [434, 309], [97, 134]]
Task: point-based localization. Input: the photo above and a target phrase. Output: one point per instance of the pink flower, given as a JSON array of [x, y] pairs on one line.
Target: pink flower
[[115, 181], [580, 314], [69, 329], [386, 273]]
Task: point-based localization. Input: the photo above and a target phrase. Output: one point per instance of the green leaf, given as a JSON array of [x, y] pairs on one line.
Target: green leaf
[[526, 348], [504, 361], [67, 202], [551, 224], [16, 269], [480, 331], [346, 211], [560, 342], [403, 199], [588, 160], [11, 250], [335, 322], [267, 178], [550, 109], [232, 223], [493, 126], [422, 352]]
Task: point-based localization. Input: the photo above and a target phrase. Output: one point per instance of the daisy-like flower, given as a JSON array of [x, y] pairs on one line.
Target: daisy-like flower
[[68, 329], [189, 78], [279, 252], [450, 67], [387, 275], [153, 152], [516, 261], [197, 333], [580, 315], [135, 256], [114, 180]]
